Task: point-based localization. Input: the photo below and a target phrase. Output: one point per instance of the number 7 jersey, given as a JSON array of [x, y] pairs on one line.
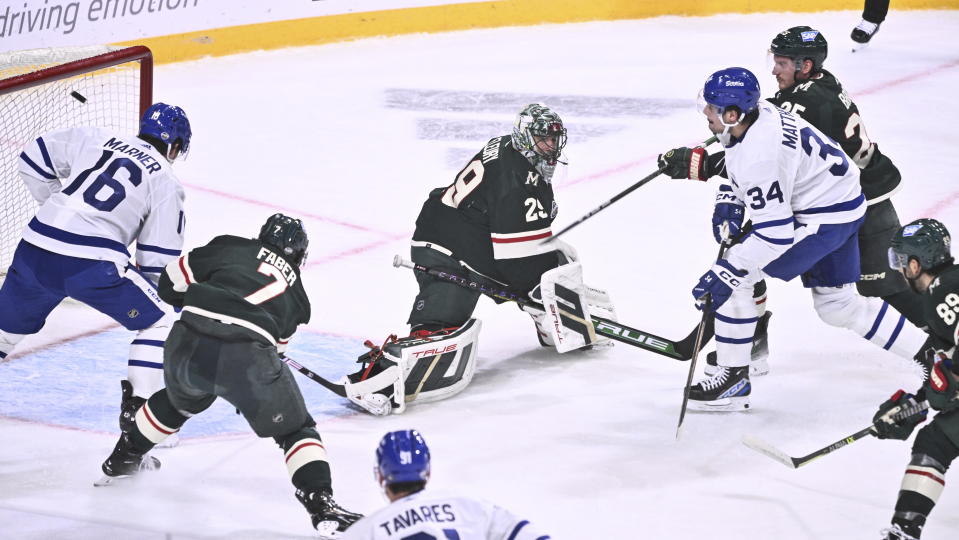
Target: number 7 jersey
[[99, 193], [787, 172]]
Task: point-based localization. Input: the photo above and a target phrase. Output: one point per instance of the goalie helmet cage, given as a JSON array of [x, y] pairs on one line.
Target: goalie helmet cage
[[47, 89]]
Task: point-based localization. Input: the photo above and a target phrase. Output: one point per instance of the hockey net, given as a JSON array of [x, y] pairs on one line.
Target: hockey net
[[47, 89]]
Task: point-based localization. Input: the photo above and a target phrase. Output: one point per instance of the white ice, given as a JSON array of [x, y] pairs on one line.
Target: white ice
[[582, 444]]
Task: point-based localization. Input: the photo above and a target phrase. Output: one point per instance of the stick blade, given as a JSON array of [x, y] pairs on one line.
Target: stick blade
[[769, 451]]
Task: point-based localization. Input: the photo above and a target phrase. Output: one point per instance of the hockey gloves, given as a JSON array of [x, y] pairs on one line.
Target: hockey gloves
[[889, 428], [728, 214], [942, 387], [719, 284], [683, 163]]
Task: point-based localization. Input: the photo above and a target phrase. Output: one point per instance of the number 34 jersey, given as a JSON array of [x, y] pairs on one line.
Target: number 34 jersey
[[786, 171], [428, 515], [239, 281], [98, 193], [493, 217]]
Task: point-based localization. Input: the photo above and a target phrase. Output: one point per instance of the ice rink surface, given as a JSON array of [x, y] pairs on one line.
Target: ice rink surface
[[351, 137]]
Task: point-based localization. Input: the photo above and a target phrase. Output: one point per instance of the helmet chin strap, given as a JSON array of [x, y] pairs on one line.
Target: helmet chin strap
[[725, 136]]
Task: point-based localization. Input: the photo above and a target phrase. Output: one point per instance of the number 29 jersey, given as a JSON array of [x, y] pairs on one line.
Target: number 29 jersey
[[786, 171], [98, 193], [494, 217]]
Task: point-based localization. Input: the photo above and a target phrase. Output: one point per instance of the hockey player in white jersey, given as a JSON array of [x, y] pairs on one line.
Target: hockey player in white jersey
[[100, 192], [403, 470], [803, 196]]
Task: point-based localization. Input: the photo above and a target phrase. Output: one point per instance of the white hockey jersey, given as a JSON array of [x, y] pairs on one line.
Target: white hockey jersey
[[98, 193], [785, 171], [442, 516]]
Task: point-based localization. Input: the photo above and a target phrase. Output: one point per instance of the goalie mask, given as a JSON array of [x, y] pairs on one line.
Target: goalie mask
[[414, 368], [539, 135]]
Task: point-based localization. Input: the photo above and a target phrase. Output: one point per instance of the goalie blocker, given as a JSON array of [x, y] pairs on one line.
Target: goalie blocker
[[424, 367]]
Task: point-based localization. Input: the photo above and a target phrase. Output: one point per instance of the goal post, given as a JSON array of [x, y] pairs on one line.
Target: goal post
[[47, 89]]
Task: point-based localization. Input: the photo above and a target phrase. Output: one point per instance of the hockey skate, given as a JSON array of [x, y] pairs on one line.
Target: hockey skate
[[124, 462], [129, 405], [329, 519], [862, 33], [896, 533], [727, 390], [758, 357]]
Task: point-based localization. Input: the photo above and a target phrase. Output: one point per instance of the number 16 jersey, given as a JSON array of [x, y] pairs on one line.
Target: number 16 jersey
[[98, 193]]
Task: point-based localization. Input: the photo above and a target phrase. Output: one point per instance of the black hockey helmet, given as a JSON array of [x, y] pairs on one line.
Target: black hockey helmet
[[287, 235], [925, 240], [801, 43]]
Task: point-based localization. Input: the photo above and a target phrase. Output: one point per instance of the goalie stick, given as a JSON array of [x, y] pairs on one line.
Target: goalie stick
[[768, 450], [606, 327], [619, 196]]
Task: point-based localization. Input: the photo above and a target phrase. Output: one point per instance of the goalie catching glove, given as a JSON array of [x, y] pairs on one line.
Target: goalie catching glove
[[422, 367]]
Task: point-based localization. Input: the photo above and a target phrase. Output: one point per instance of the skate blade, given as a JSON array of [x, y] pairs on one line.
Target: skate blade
[[328, 530], [110, 480], [721, 405], [856, 47]]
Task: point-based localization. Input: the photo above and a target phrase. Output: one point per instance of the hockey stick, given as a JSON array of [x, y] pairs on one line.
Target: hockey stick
[[337, 389], [608, 328], [770, 451], [619, 196]]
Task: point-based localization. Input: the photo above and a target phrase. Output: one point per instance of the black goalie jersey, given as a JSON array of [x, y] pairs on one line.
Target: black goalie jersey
[[239, 281], [494, 217], [822, 101]]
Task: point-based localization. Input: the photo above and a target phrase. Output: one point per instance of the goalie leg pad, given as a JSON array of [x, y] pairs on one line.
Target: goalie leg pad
[[415, 368]]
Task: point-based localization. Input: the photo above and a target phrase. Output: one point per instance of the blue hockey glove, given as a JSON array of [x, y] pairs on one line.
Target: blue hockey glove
[[887, 428], [719, 283], [729, 211], [942, 387]]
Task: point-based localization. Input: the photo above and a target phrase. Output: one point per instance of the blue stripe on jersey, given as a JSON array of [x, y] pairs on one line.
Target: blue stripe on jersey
[[733, 320], [733, 341], [777, 241], [774, 223], [875, 324], [76, 239], [150, 342], [151, 269], [45, 154], [543, 538], [41, 172], [895, 333], [520, 525], [157, 249], [838, 207], [144, 363]]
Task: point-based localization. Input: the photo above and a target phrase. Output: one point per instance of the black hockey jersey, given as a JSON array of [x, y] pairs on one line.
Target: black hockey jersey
[[239, 281], [941, 305], [494, 217], [822, 101]]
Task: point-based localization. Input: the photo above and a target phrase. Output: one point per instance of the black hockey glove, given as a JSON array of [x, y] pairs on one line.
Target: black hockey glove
[[942, 387], [887, 428], [683, 163]]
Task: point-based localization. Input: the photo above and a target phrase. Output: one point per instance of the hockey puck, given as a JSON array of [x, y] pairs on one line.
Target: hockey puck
[[78, 96]]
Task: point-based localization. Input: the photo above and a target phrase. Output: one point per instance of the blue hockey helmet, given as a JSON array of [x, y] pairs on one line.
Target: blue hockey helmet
[[287, 235], [403, 456], [732, 87], [167, 124]]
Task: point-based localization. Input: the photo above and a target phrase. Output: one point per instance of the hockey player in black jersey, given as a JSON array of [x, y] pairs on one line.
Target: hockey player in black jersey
[[241, 301], [810, 91], [488, 227], [921, 250]]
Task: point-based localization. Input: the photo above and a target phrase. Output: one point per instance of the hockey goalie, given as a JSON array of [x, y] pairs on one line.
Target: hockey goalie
[[487, 227]]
